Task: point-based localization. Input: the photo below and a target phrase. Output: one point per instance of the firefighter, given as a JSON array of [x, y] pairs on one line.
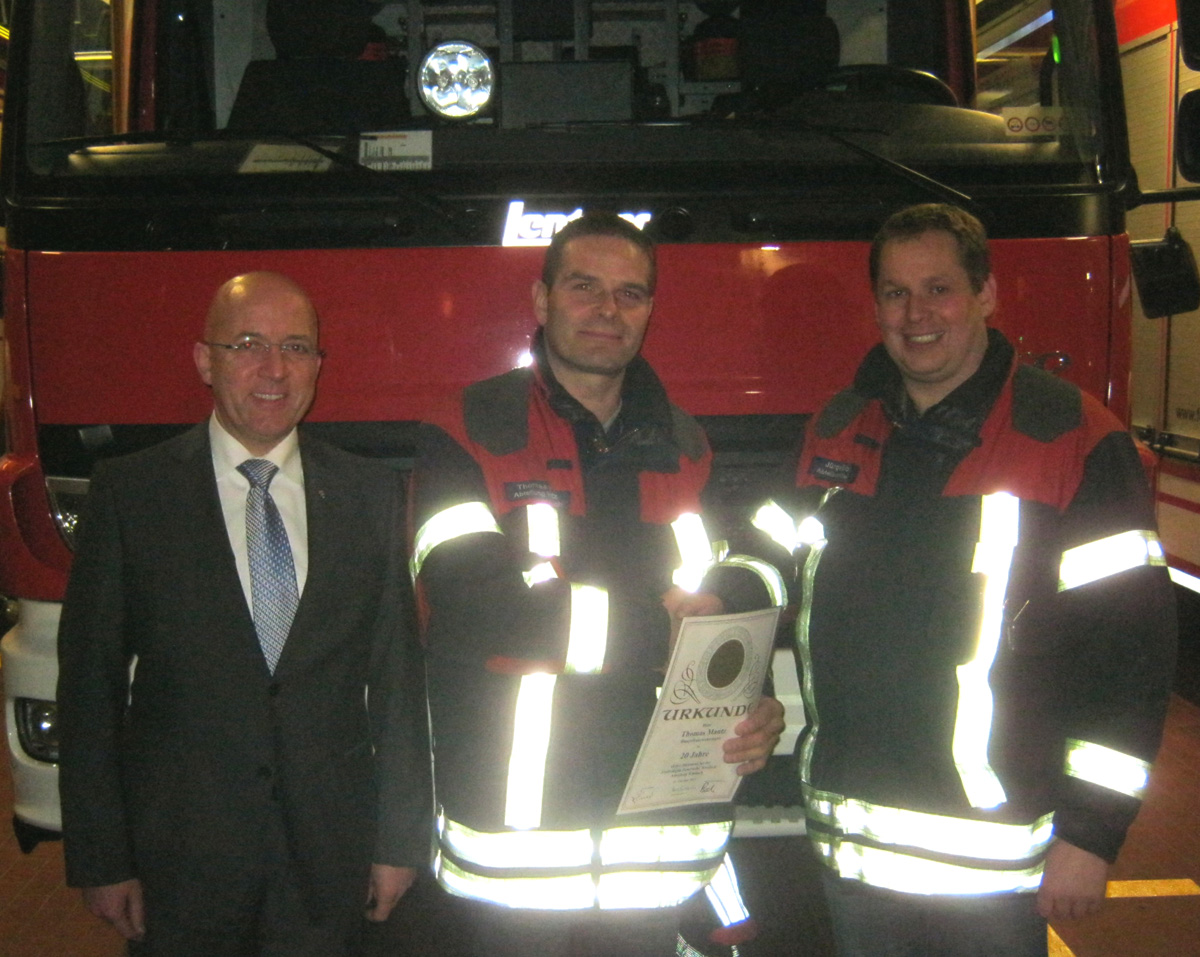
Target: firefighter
[[558, 543], [986, 622]]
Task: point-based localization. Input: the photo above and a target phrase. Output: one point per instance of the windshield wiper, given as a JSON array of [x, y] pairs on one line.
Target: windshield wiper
[[789, 120]]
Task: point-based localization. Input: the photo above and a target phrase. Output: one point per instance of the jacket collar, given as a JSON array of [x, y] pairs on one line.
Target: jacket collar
[[644, 422], [955, 421]]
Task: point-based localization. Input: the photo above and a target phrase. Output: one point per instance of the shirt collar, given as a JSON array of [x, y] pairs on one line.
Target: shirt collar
[[229, 453]]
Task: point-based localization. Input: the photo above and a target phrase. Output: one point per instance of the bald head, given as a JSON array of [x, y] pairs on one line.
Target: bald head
[[261, 393], [255, 290]]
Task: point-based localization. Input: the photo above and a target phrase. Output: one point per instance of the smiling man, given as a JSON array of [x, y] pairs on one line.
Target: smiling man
[[265, 777], [552, 508], [986, 622]]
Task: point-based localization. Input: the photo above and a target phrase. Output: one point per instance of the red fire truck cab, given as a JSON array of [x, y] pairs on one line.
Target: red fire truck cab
[[406, 162]]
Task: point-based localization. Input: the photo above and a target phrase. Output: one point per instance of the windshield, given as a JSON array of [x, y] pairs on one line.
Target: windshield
[[974, 93]]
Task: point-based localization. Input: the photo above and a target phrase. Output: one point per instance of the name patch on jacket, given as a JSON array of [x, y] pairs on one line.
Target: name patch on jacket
[[828, 470], [536, 491]]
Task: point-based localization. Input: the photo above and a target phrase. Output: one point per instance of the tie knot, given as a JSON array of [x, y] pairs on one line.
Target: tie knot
[[259, 472]]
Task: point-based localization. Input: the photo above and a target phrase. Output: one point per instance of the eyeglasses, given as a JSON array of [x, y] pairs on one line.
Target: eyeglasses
[[256, 350]]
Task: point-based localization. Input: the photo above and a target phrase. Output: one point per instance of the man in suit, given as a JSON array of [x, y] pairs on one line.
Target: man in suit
[[238, 797]]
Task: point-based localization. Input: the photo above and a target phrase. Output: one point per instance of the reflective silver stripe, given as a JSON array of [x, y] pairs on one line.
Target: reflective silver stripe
[[767, 573], [542, 521], [587, 639], [881, 867], [998, 528], [630, 889], [774, 521], [531, 741], [785, 680], [616, 847], [655, 844], [1109, 556], [1108, 768], [572, 892], [558, 849], [810, 530], [613, 847], [816, 541], [725, 897], [625, 890], [991, 841], [695, 551], [541, 572], [452, 522]]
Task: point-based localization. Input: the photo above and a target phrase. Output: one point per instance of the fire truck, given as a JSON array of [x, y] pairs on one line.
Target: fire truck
[[1165, 369], [404, 161]]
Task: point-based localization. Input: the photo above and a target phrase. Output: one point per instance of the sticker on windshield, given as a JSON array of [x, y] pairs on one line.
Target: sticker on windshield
[[397, 151], [1027, 121], [283, 158]]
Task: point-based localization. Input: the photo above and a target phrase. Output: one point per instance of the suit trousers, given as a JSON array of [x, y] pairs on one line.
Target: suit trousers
[[258, 912]]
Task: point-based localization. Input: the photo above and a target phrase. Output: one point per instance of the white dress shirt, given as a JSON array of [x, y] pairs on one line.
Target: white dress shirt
[[287, 489]]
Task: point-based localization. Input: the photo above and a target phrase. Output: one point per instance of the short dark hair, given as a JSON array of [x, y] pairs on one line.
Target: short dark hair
[[596, 223], [966, 231]]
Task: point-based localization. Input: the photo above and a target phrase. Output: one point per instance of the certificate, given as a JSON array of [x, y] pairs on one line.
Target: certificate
[[714, 679]]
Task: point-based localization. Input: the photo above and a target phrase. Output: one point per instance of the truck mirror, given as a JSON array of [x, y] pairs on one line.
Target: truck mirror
[[1165, 273], [1187, 135], [1188, 13]]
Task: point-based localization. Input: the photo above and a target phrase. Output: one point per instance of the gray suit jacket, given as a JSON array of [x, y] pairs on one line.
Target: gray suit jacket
[[174, 780]]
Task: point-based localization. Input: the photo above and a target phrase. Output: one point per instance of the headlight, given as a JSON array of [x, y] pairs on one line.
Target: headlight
[[37, 728], [456, 80]]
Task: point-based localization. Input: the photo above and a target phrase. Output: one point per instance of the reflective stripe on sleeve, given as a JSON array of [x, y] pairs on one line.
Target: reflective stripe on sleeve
[[774, 521], [695, 551], [542, 520], [1109, 556], [449, 523], [531, 741], [587, 640], [1107, 768], [998, 525], [541, 572]]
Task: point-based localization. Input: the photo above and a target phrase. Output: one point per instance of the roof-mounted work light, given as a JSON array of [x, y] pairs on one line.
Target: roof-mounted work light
[[456, 80]]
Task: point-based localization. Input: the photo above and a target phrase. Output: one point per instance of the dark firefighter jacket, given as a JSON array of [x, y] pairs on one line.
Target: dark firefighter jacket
[[987, 626], [538, 533]]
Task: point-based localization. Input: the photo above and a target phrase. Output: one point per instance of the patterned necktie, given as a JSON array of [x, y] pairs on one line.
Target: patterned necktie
[[272, 571]]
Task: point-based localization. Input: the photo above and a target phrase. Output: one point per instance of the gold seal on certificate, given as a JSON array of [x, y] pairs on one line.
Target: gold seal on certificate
[[714, 679]]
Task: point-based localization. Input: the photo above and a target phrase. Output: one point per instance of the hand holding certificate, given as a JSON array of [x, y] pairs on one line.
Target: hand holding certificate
[[714, 680]]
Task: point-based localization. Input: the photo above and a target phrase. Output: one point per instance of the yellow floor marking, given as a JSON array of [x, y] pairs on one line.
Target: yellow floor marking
[[1173, 888], [1055, 947]]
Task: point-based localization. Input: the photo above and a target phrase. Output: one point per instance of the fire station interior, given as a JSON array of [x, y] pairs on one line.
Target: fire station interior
[[354, 75]]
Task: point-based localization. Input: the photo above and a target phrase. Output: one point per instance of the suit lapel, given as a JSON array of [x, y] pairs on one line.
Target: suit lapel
[[322, 497], [195, 482]]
